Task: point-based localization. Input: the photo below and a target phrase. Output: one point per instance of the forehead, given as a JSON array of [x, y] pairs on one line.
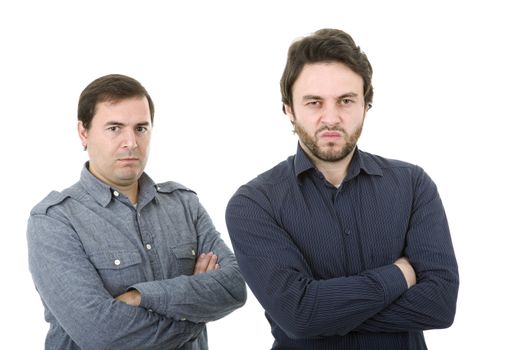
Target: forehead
[[327, 78], [129, 110]]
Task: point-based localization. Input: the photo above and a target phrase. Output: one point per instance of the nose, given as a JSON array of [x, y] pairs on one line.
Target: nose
[[130, 140], [330, 114]]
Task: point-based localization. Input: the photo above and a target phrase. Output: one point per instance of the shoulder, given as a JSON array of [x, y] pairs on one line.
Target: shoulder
[[54, 198], [172, 191], [400, 173], [275, 179], [281, 174], [390, 167], [268, 189], [385, 163], [170, 187]]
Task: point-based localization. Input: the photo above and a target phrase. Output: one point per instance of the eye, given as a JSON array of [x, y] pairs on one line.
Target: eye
[[313, 103], [114, 128], [346, 101], [142, 129]]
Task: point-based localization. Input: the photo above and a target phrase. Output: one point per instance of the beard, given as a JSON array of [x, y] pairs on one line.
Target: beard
[[331, 152]]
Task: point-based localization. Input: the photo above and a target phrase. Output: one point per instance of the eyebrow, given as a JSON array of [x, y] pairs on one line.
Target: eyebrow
[[349, 94], [122, 124], [316, 97]]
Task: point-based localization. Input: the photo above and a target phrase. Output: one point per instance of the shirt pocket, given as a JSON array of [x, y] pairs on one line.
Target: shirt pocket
[[184, 255], [118, 269]]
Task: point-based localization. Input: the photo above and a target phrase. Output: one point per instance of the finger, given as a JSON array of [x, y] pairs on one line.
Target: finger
[[212, 263], [202, 264]]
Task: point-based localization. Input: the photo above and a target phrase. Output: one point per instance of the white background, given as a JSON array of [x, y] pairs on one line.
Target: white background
[[449, 85]]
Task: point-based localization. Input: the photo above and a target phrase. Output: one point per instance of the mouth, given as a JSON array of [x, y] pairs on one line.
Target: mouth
[[330, 135], [128, 160]]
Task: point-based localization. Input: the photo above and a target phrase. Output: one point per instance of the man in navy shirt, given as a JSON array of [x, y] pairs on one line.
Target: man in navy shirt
[[343, 249]]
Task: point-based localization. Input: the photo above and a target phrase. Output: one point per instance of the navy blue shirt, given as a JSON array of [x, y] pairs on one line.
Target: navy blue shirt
[[320, 259]]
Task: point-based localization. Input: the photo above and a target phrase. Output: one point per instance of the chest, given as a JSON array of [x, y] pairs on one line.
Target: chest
[[126, 246], [344, 232]]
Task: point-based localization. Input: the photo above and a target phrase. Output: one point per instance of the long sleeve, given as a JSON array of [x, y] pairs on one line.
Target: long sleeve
[[431, 303], [281, 279], [73, 293], [204, 297]]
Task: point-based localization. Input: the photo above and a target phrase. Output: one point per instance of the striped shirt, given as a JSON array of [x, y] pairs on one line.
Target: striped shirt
[[320, 259]]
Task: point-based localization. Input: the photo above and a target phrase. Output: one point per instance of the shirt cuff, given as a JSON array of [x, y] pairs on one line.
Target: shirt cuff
[[152, 296], [392, 280]]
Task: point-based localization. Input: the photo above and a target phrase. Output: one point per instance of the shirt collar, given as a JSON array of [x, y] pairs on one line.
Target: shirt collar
[[361, 161], [103, 193]]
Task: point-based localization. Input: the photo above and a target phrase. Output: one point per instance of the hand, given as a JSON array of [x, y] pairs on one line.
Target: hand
[[131, 298], [407, 270], [206, 263]]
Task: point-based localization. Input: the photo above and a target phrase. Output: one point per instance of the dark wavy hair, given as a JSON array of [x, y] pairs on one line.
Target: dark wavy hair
[[326, 45]]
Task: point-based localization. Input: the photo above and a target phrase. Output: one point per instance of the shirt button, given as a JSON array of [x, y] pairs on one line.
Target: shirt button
[[148, 246], [192, 252], [117, 262], [115, 193]]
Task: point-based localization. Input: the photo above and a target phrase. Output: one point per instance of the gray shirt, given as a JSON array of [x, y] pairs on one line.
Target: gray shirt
[[88, 244]]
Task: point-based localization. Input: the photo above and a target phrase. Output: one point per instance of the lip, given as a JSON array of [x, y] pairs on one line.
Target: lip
[[127, 160], [330, 135]]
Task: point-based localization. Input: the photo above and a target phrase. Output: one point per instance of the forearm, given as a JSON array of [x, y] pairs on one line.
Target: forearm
[[306, 308], [197, 298], [430, 304], [203, 297]]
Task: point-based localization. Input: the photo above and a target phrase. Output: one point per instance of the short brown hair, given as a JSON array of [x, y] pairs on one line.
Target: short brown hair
[[112, 87], [326, 45]]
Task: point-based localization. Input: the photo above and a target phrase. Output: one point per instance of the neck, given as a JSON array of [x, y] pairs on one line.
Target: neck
[[334, 172], [131, 191]]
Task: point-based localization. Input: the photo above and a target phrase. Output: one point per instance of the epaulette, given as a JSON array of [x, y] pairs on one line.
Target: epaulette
[[50, 200], [171, 186]]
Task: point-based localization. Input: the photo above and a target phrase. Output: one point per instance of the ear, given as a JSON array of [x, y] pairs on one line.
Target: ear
[[83, 134], [366, 109], [289, 112]]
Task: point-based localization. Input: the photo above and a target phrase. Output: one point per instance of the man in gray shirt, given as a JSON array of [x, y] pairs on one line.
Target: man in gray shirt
[[119, 261]]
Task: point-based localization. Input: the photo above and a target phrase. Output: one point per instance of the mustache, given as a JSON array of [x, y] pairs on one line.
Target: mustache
[[331, 128]]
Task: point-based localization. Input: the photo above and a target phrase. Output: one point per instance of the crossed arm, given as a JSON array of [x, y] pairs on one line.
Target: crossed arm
[[215, 289], [76, 299], [75, 296], [383, 299], [205, 263]]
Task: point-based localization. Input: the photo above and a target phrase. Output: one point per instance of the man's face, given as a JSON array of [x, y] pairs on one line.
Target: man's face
[[328, 110], [118, 141]]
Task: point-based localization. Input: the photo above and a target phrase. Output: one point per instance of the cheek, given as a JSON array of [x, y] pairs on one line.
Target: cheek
[[144, 146]]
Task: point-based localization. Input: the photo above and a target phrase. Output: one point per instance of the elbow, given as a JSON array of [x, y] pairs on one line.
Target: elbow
[[442, 304], [297, 325], [297, 332], [238, 290], [99, 343], [444, 321], [450, 305], [446, 318], [300, 330], [241, 295]]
